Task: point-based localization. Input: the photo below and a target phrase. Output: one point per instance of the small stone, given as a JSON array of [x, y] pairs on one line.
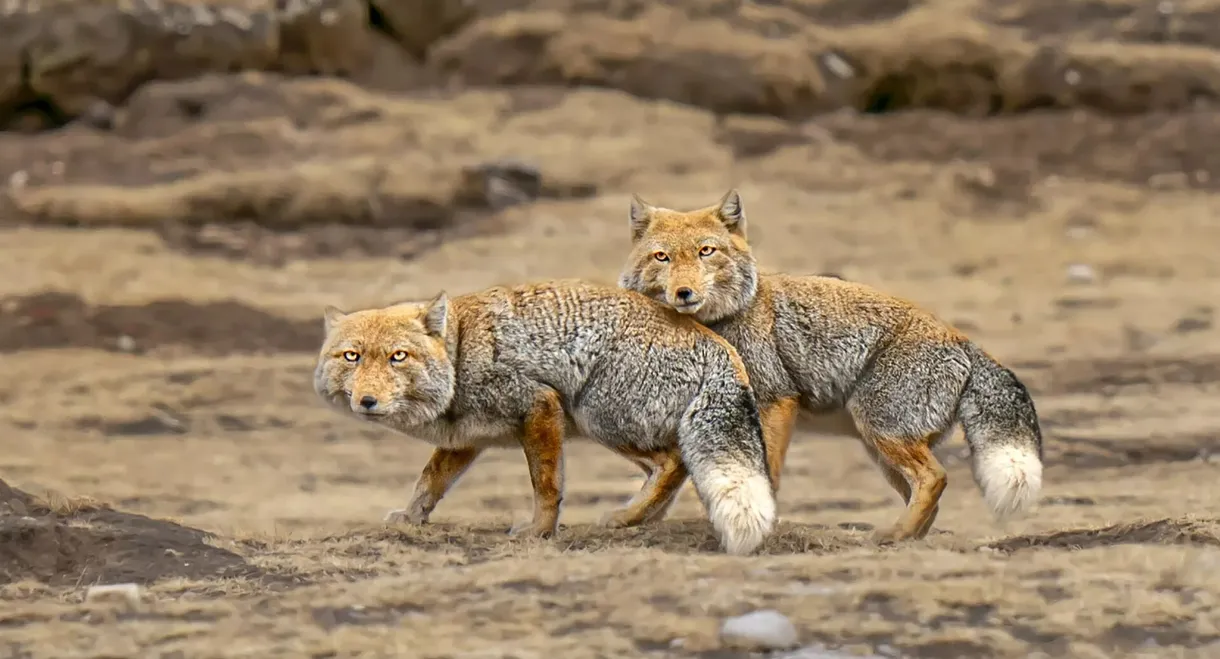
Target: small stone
[[1080, 273], [838, 66], [760, 630], [126, 343]]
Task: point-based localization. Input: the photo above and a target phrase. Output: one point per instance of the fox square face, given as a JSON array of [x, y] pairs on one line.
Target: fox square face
[[387, 363], [696, 262]]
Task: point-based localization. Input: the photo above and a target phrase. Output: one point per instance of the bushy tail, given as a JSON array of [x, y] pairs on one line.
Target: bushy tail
[[721, 441], [1005, 440]]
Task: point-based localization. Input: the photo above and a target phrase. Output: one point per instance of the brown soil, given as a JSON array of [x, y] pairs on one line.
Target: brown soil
[[60, 320], [67, 543], [1041, 174]]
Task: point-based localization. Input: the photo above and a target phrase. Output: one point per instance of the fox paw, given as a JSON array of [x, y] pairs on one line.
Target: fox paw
[[531, 530], [889, 536], [406, 516], [617, 519]]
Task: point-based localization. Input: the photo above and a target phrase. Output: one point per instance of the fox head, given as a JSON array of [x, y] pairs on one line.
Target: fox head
[[697, 262], [390, 365]]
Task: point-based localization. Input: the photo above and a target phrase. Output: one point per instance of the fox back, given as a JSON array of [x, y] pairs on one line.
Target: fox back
[[698, 262]]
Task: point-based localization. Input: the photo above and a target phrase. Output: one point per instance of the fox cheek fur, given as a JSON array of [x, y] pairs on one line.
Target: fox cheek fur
[[330, 385], [734, 283]]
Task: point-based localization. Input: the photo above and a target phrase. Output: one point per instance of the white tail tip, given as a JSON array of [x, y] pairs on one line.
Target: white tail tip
[[1010, 477], [741, 506]]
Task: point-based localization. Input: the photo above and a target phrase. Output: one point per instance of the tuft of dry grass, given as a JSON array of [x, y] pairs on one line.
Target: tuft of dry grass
[[63, 505]]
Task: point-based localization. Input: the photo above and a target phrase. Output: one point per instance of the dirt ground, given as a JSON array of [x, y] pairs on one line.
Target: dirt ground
[[164, 261]]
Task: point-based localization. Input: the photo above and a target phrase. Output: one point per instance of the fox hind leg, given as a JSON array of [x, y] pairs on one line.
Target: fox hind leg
[[665, 479], [902, 405], [915, 473], [899, 482]]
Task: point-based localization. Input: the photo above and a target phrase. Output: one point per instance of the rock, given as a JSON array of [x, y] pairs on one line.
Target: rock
[[82, 52], [705, 64], [327, 37], [417, 24], [767, 629], [77, 53], [391, 68], [68, 55], [500, 184], [1081, 273]]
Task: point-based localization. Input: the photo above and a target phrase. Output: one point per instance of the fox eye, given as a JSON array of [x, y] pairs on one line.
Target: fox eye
[[707, 250], [351, 355], [660, 256], [398, 357]]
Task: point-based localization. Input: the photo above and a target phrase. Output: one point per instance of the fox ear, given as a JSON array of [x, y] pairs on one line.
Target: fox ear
[[436, 320], [731, 213], [640, 218], [331, 316]]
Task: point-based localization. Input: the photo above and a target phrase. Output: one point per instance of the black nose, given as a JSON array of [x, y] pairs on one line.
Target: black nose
[[368, 402], [684, 293]]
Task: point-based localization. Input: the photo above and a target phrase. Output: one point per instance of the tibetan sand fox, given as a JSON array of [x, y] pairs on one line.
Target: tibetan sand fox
[[826, 346], [525, 366]]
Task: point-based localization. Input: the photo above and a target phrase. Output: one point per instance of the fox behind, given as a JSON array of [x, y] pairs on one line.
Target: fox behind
[[826, 345], [525, 366]]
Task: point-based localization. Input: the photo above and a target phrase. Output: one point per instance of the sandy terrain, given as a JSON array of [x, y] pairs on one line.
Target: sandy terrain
[[1042, 174]]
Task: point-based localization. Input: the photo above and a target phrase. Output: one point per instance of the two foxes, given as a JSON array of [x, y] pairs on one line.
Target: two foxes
[[704, 379]]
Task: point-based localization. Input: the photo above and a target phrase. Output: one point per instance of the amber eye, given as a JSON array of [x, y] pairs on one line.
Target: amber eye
[[660, 256], [398, 357], [351, 355], [707, 250]]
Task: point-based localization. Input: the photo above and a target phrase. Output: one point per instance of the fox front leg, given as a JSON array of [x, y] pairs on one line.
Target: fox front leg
[[542, 441], [442, 471]]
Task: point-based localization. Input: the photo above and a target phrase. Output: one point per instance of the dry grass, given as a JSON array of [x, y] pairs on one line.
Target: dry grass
[[296, 491]]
